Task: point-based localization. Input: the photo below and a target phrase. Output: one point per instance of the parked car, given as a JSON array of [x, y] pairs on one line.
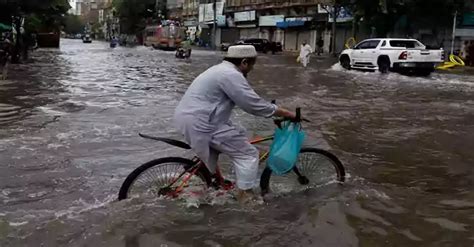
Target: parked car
[[261, 45], [402, 55]]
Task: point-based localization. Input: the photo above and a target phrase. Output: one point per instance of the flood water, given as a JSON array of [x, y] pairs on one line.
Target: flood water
[[68, 138]]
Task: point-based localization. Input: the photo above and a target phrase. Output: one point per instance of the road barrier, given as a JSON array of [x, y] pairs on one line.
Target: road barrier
[[351, 42], [453, 62]]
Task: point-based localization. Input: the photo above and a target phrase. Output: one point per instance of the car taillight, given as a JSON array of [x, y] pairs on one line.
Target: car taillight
[[403, 55]]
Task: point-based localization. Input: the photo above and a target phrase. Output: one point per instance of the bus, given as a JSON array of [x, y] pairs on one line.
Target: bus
[[166, 37]]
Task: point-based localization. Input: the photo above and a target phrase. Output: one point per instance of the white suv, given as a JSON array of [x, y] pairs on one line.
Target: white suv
[[403, 55]]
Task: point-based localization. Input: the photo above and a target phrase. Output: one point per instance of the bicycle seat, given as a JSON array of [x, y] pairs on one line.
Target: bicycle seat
[[172, 142]]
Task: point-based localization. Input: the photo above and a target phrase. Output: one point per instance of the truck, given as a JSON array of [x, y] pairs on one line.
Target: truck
[[166, 37], [400, 55]]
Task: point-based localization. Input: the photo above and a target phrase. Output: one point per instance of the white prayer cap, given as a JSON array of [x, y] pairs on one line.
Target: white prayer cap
[[241, 51]]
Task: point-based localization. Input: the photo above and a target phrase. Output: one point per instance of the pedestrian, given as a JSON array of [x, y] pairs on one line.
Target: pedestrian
[[463, 52], [305, 52], [203, 116], [6, 48], [320, 44], [470, 54]]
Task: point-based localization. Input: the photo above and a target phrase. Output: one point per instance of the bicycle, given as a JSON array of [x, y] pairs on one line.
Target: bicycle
[[170, 176]]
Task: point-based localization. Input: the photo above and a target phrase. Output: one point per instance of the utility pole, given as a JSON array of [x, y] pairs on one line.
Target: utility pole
[[214, 26], [454, 31], [334, 20], [158, 11]]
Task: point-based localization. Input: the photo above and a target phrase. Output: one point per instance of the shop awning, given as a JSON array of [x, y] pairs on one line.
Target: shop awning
[[4, 27], [287, 24]]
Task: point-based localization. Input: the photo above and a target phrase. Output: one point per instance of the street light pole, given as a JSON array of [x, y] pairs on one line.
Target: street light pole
[[454, 31], [157, 11], [214, 26], [334, 22]]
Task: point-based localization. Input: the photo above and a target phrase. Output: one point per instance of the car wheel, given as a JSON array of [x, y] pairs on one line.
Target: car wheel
[[345, 62], [384, 65]]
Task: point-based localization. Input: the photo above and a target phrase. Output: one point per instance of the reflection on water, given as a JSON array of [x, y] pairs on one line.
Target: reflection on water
[[68, 138]]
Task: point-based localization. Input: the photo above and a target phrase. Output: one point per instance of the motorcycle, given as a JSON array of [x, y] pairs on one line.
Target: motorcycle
[[113, 43], [183, 53]]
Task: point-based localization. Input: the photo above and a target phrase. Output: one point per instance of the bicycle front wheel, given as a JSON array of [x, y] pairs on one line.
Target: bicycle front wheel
[[161, 177], [315, 167]]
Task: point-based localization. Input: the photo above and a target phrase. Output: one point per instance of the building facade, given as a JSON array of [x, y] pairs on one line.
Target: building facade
[[288, 22], [98, 15]]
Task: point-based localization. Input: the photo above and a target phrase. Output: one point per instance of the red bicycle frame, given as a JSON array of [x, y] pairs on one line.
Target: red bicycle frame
[[218, 176]]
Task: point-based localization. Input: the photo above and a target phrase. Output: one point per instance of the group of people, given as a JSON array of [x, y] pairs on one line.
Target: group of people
[[467, 52]]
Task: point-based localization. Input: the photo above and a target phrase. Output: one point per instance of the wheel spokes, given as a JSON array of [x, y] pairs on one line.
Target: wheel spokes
[[156, 180], [315, 169]]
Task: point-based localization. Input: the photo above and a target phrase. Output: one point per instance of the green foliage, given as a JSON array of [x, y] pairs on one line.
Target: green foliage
[[44, 14], [408, 15], [33, 23], [73, 24], [133, 14]]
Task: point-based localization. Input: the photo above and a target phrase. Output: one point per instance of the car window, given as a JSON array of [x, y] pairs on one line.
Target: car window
[[384, 43], [405, 43], [360, 45], [150, 33], [370, 44]]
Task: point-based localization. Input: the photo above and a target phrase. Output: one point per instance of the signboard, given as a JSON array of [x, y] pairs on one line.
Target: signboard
[[323, 9], [206, 11], [468, 19], [304, 18], [244, 16], [465, 32], [221, 21], [189, 23], [270, 20], [247, 26], [202, 9], [344, 15]]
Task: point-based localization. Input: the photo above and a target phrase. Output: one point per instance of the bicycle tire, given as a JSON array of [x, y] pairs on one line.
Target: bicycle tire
[[204, 175], [337, 164]]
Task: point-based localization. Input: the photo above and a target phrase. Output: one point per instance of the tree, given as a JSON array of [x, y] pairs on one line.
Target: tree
[[134, 14], [406, 15], [73, 24], [436, 15], [333, 8], [38, 15]]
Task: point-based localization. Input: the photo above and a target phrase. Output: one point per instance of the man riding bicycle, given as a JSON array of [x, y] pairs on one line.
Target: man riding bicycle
[[203, 116]]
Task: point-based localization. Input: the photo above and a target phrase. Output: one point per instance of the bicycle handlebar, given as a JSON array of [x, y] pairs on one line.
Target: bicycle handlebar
[[297, 119]]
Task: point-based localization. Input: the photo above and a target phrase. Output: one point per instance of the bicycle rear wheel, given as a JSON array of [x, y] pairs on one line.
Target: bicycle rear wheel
[[314, 167], [154, 178]]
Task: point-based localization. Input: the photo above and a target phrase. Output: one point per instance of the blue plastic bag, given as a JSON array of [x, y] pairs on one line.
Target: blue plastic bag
[[285, 148]]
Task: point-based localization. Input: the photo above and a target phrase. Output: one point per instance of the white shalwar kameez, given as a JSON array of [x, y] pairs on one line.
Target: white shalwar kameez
[[305, 51], [203, 117]]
